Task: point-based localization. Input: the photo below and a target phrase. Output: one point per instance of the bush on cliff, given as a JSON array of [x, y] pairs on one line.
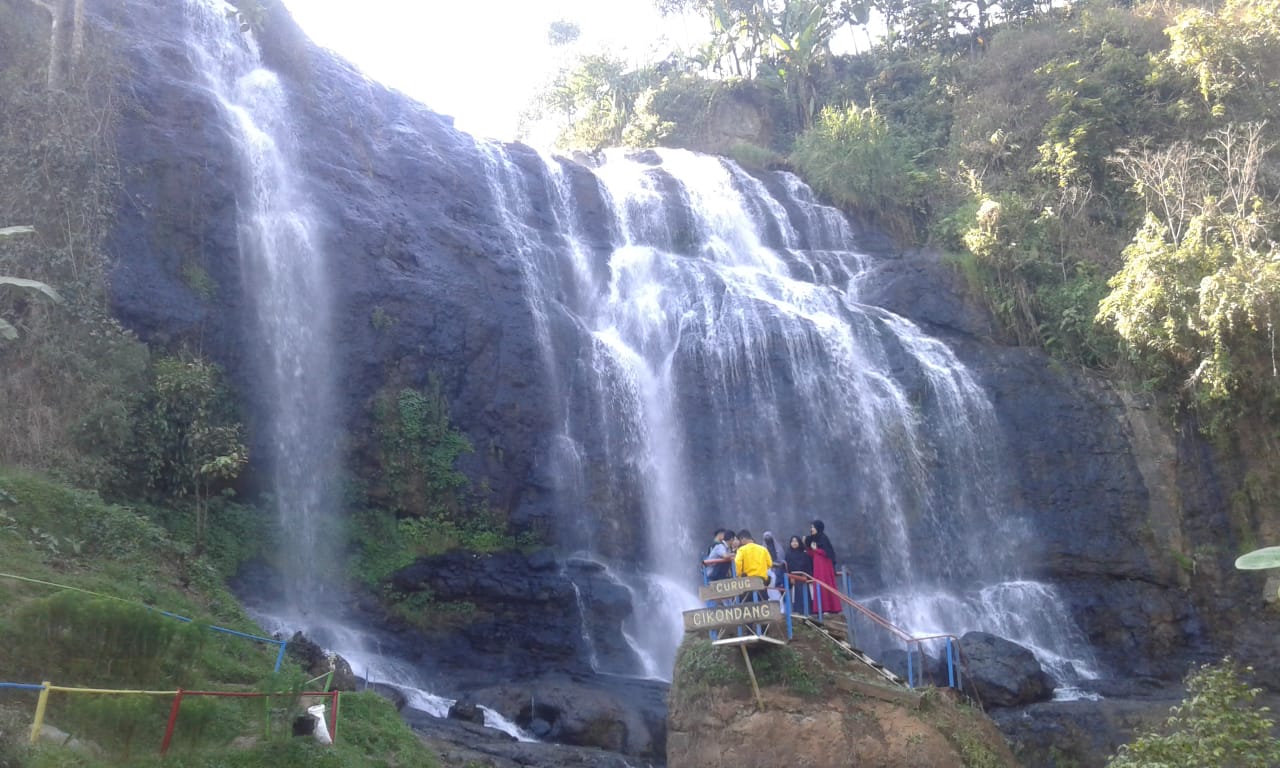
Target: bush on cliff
[[1217, 724]]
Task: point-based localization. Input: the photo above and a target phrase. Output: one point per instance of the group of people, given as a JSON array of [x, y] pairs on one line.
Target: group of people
[[813, 556]]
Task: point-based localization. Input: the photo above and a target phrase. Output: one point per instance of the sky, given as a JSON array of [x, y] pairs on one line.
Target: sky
[[480, 61]]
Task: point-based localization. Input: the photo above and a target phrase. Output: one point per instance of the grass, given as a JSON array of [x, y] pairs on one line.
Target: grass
[[140, 557]]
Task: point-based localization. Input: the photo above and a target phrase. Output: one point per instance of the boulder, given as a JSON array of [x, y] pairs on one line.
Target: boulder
[[1001, 673], [467, 711], [391, 694], [620, 715], [316, 661]]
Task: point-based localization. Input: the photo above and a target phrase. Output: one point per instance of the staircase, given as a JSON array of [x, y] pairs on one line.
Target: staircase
[[828, 631], [837, 631]]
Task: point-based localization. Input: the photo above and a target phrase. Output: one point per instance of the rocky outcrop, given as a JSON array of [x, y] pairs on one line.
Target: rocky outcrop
[[528, 614], [458, 742], [1001, 673], [627, 717], [548, 628], [819, 710], [318, 663]]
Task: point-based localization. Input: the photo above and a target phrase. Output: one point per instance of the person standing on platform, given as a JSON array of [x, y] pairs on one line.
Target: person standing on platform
[[823, 553], [718, 557], [753, 560], [798, 561]]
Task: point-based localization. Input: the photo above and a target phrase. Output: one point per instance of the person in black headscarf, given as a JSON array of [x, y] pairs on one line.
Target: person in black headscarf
[[819, 547], [798, 561]]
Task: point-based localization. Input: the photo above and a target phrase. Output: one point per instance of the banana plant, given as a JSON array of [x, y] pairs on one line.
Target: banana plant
[[801, 36], [7, 329], [1259, 559]]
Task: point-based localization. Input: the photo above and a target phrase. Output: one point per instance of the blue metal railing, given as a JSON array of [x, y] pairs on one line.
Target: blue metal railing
[[914, 645]]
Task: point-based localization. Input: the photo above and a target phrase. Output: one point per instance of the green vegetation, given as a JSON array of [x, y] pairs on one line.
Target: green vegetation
[[852, 157], [189, 442], [701, 666], [371, 733], [418, 452], [54, 533], [1218, 723], [422, 505]]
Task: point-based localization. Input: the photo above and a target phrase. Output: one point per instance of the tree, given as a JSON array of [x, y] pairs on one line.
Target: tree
[[1217, 724], [592, 100], [7, 330], [66, 38], [1200, 285], [801, 36], [191, 446], [1233, 55]]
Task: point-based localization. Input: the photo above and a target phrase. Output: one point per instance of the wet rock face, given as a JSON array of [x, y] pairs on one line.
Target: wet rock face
[[530, 614], [317, 663], [412, 235], [627, 716]]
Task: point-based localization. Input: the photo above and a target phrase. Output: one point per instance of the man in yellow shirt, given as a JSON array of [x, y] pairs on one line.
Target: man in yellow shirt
[[752, 559]]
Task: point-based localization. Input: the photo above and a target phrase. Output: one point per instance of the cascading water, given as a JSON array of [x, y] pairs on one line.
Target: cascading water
[[286, 279], [712, 364]]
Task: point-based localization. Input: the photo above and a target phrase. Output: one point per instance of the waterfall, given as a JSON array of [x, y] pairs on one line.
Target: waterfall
[[712, 364], [711, 361], [285, 278]]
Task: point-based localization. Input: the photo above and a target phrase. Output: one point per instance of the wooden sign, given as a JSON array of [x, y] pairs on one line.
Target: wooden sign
[[719, 590], [733, 615]]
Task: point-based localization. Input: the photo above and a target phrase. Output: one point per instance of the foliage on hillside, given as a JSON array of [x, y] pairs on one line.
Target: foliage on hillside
[[53, 533], [1104, 174], [1218, 723], [420, 504]]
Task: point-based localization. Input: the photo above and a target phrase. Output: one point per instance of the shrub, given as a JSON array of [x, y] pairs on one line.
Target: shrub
[[1216, 724], [851, 156]]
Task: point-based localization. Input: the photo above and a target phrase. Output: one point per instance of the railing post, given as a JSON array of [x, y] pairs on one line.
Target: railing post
[[911, 683], [173, 720], [959, 680], [787, 607], [280, 656], [41, 704], [333, 729], [951, 669]]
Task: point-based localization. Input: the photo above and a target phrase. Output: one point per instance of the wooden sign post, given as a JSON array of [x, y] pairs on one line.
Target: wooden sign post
[[734, 615], [726, 588]]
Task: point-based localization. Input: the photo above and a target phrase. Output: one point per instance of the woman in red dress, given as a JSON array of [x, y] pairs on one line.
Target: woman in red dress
[[824, 570]]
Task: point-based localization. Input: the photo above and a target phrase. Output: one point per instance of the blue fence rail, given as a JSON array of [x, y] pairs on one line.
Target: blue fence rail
[[212, 627]]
